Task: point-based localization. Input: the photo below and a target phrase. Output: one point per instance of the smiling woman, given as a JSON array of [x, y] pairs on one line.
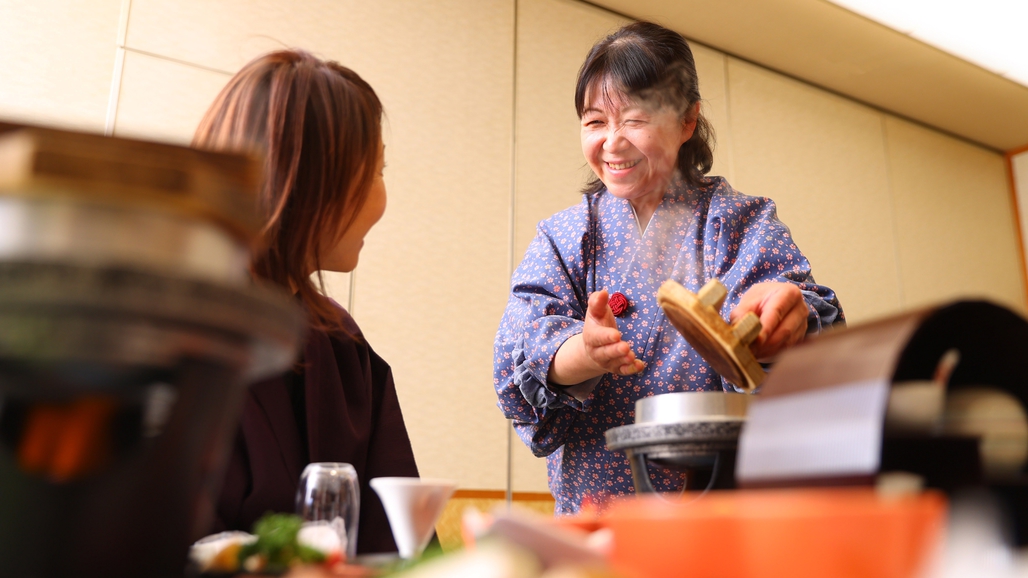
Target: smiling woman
[[624, 85], [566, 367], [631, 147]]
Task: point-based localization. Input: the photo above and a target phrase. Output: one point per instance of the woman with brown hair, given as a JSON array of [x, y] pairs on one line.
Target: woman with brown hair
[[318, 126]]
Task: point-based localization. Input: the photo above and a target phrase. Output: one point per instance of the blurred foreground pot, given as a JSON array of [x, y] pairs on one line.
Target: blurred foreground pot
[[129, 330], [799, 533]]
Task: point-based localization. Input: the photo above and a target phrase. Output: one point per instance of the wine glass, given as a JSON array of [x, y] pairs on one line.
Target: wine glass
[[329, 493]]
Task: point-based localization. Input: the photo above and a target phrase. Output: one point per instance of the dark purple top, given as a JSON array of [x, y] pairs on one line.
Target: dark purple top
[[341, 406]]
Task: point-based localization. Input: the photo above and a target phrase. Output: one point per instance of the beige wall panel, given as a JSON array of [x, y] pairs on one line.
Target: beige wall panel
[[57, 60], [164, 100], [432, 282], [396, 45], [554, 37], [956, 230], [821, 158], [225, 35]]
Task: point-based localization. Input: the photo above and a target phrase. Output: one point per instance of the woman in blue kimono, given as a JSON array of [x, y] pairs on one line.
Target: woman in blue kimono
[[582, 337]]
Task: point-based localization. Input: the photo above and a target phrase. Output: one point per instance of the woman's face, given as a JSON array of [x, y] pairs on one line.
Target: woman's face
[[632, 146], [343, 255]]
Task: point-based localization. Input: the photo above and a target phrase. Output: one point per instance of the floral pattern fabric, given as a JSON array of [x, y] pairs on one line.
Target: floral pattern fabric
[[696, 234]]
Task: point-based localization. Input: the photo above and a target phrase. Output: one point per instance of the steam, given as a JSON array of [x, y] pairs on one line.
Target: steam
[[676, 90], [674, 230]]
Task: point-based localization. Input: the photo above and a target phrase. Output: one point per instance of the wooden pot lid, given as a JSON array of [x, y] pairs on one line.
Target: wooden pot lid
[[725, 347]]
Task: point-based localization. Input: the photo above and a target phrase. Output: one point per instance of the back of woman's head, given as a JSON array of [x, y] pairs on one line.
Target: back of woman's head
[[647, 62], [318, 126]]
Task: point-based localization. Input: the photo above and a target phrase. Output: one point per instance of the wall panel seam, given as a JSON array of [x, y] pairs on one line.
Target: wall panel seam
[[350, 301], [114, 96], [728, 119], [177, 61], [512, 219]]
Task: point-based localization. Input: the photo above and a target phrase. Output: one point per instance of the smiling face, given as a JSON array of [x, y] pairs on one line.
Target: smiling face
[[343, 253], [632, 146]]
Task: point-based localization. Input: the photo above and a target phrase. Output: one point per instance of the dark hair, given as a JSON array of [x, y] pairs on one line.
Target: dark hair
[[319, 126], [648, 62]]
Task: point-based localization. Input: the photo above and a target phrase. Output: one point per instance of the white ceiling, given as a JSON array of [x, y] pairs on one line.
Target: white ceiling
[[989, 33], [831, 47]]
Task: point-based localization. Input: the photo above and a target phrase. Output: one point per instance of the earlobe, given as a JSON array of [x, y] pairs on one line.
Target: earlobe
[[689, 122], [687, 130]]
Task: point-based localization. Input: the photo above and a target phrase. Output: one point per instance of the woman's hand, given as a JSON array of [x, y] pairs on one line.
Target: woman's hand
[[597, 350], [783, 317], [602, 339]]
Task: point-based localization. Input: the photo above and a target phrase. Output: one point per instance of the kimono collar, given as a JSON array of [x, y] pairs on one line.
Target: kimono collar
[[677, 190]]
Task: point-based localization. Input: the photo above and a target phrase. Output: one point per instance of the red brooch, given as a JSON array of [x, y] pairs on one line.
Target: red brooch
[[618, 303]]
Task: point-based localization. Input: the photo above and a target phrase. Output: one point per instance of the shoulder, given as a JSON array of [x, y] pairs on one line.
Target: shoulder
[[348, 322], [346, 347], [730, 204], [347, 336], [570, 218], [721, 192], [563, 233]]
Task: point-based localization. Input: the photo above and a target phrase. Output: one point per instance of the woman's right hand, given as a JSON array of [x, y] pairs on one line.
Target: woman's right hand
[[597, 350]]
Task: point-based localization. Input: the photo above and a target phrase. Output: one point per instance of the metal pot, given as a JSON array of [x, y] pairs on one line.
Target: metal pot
[[685, 430]]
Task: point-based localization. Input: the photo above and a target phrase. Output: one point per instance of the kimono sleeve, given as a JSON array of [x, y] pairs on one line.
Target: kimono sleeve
[[546, 307], [747, 244]]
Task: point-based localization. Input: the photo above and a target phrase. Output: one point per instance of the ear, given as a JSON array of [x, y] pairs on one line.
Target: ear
[[689, 122]]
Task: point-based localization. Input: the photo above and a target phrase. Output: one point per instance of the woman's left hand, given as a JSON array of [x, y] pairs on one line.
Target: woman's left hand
[[783, 317]]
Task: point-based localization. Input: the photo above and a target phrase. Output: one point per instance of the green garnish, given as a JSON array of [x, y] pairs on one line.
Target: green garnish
[[276, 544]]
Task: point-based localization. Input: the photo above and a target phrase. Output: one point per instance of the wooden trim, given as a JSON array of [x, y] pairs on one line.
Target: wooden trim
[[501, 495], [1008, 159], [1016, 151]]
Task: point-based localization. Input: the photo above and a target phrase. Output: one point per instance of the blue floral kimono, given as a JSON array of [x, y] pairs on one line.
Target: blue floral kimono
[[696, 234]]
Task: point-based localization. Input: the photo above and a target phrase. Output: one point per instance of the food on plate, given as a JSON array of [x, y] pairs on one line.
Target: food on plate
[[278, 543], [219, 552]]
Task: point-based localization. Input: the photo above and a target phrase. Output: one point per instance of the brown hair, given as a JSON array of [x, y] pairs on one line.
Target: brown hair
[[648, 62], [319, 126]]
